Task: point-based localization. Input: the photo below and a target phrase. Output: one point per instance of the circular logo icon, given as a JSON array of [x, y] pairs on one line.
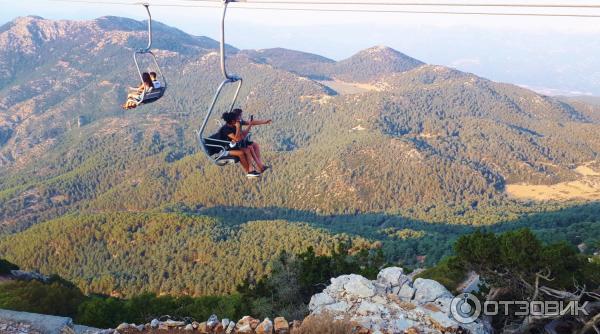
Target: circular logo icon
[[465, 308]]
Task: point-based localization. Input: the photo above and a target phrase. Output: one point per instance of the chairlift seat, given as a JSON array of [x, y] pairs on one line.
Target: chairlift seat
[[218, 150], [153, 95]]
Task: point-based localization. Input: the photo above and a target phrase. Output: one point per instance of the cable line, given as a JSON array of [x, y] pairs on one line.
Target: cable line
[[340, 10], [419, 4]]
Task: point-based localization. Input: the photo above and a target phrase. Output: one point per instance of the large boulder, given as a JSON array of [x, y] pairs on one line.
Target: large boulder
[[359, 287], [37, 322], [391, 304], [428, 290], [406, 292], [319, 300], [392, 277]]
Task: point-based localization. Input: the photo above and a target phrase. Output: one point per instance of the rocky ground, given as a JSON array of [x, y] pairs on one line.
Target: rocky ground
[[391, 304], [17, 327], [246, 325]]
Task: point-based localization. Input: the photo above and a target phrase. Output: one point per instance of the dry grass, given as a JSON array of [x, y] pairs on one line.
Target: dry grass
[[326, 324], [586, 171], [586, 188], [347, 88]]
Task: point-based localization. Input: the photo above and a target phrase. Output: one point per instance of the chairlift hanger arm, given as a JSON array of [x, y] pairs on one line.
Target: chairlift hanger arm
[[226, 75], [147, 6]]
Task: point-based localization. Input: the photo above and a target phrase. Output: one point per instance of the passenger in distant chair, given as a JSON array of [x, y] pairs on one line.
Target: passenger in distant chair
[[252, 146], [155, 81], [134, 98], [232, 132]]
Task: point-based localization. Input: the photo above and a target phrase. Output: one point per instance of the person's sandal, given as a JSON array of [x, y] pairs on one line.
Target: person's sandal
[[253, 174]]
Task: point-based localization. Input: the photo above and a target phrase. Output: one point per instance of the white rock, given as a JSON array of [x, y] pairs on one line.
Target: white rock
[[367, 308], [428, 290], [359, 287], [444, 304], [337, 284], [154, 323], [140, 328], [400, 325], [442, 318], [406, 292], [225, 322], [339, 307], [230, 328], [123, 326], [213, 320], [390, 276], [379, 300], [320, 300], [188, 327], [357, 299], [173, 323]]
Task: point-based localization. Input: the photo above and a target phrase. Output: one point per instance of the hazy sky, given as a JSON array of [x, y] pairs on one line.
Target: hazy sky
[[543, 53]]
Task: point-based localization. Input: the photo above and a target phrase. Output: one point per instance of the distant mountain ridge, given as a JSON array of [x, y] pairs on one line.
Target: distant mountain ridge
[[364, 66]]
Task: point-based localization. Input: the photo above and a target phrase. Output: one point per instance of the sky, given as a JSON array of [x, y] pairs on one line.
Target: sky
[[552, 55]]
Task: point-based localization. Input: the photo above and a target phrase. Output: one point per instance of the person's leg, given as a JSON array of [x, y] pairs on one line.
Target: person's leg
[[243, 161], [256, 155], [248, 152], [130, 104]]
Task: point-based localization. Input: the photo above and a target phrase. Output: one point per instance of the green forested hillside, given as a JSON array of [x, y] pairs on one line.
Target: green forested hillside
[[127, 253], [212, 250], [427, 142]]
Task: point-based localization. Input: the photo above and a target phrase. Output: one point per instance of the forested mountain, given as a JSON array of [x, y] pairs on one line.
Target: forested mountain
[[419, 144], [125, 253]]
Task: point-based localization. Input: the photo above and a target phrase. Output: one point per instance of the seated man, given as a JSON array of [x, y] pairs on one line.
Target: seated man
[[155, 82], [134, 98], [232, 132], [252, 146]]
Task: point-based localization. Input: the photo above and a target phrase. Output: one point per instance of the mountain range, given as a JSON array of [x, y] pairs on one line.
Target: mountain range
[[374, 136]]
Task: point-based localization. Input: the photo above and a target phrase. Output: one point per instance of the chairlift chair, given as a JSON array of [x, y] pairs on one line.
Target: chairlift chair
[[215, 149], [149, 96]]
